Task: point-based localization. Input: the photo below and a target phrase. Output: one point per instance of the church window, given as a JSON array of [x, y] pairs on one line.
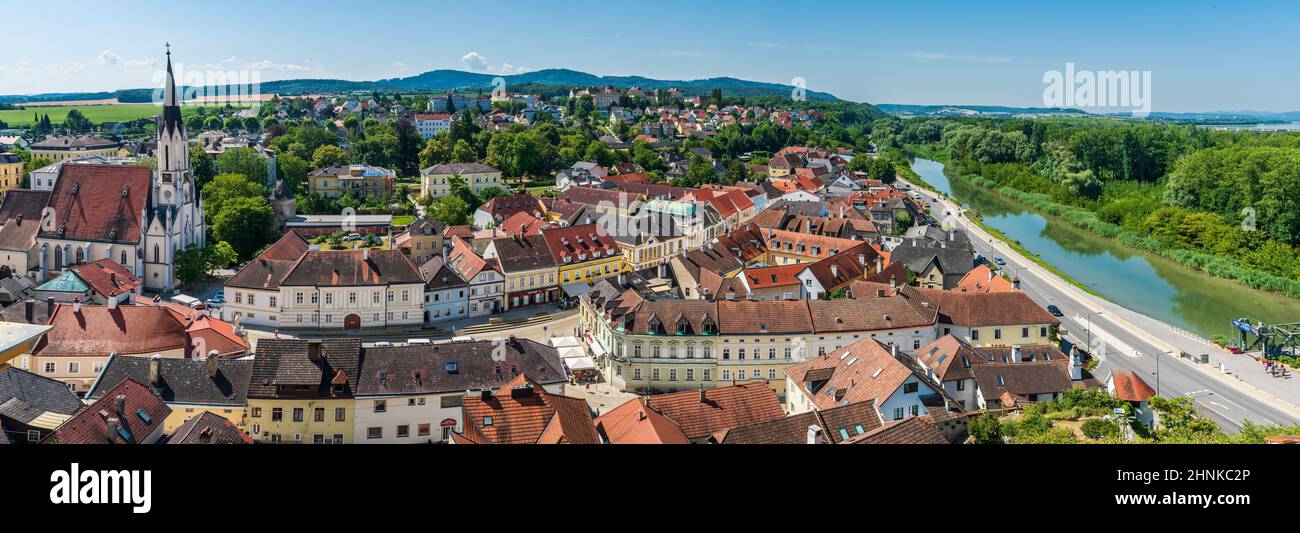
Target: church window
[[155, 254]]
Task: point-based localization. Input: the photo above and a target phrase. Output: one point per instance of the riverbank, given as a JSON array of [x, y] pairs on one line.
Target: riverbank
[[1147, 283], [1084, 219]]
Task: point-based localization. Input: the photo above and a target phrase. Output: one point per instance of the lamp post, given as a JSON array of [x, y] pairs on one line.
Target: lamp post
[[1090, 327]]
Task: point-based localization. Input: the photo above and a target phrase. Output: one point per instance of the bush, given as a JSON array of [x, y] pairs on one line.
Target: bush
[[1097, 428], [985, 429]]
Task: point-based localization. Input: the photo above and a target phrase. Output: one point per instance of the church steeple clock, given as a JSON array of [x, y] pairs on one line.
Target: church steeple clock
[[175, 184]]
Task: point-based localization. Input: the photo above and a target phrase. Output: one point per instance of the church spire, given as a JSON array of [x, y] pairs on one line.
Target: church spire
[[171, 116]]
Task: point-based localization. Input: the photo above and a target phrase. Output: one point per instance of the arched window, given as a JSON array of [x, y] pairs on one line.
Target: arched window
[[123, 257], [155, 254], [58, 257], [81, 255]]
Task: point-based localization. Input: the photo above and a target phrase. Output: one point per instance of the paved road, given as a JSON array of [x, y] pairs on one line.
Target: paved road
[[1122, 347]]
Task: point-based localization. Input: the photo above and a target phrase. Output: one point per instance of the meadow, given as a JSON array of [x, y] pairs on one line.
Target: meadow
[[18, 118]]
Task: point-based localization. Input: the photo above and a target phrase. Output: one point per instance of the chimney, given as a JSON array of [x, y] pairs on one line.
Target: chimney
[[880, 264], [120, 403], [110, 430], [49, 305], [1015, 353], [893, 350], [1015, 283], [990, 274], [212, 364], [663, 270], [365, 254], [29, 309], [893, 284], [313, 350], [702, 398], [835, 271], [206, 436], [952, 234], [112, 302], [862, 260], [76, 305], [815, 435], [155, 370], [485, 394]]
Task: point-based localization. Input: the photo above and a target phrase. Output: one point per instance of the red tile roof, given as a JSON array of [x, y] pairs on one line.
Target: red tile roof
[[107, 277], [635, 422], [773, 276], [98, 330], [982, 279], [522, 412], [576, 244], [102, 203], [859, 372], [90, 426], [707, 411], [209, 428], [1129, 387]]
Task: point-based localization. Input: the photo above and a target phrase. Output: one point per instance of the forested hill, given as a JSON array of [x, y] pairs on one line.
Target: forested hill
[[442, 80]]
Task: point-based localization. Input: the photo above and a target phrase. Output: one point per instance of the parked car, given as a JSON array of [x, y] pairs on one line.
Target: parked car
[[216, 301], [353, 237], [1000, 261], [1054, 310]]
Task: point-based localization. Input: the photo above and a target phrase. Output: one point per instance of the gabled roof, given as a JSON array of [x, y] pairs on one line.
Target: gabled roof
[[635, 422], [267, 270], [949, 358], [351, 268], [456, 366], [837, 424], [773, 276], [20, 216], [522, 412], [142, 412], [439, 275], [1023, 378], [576, 244], [1129, 387], [467, 262], [522, 254], [286, 368], [107, 277], [458, 168], [96, 330], [862, 371], [208, 428], [982, 279], [910, 430], [988, 309], [704, 412], [181, 380], [37, 391], [101, 203]]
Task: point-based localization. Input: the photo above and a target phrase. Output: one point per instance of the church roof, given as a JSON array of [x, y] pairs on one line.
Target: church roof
[[103, 203]]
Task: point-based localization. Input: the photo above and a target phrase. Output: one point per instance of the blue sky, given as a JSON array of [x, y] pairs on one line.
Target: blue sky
[[1203, 55]]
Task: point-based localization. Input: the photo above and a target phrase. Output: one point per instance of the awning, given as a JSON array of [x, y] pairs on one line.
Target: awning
[[580, 363], [565, 342], [577, 288], [570, 352]]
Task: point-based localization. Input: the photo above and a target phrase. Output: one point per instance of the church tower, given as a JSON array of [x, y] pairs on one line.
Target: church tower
[[174, 184]]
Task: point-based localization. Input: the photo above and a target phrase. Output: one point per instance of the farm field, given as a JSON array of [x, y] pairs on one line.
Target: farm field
[[94, 113]]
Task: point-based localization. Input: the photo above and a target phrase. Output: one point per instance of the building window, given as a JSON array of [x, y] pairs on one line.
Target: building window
[[909, 388], [898, 413], [340, 414], [381, 406], [726, 375], [997, 334], [1024, 333], [318, 414], [690, 374], [297, 414], [708, 375], [277, 414], [375, 433], [403, 431], [74, 367]]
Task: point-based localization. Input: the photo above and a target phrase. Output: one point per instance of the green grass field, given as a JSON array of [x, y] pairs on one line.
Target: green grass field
[[95, 113]]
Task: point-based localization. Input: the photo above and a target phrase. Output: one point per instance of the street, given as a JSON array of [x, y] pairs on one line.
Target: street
[[1120, 344]]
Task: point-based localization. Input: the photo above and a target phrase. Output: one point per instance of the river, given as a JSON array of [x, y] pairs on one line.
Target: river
[[1149, 284]]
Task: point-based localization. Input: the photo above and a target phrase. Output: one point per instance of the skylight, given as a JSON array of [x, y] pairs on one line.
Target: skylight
[[144, 416], [876, 374], [850, 363]]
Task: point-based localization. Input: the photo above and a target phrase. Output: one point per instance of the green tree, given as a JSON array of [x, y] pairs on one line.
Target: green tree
[[220, 255], [191, 266], [450, 210], [329, 155], [245, 223], [985, 429]]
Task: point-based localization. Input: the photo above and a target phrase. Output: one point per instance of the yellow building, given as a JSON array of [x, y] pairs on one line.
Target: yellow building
[[789, 247], [301, 391], [11, 171], [435, 181], [190, 387], [62, 148], [583, 253]]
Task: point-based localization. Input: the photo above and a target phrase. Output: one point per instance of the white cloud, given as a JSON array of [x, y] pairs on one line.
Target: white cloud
[[265, 65], [111, 59], [477, 63], [940, 56]]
